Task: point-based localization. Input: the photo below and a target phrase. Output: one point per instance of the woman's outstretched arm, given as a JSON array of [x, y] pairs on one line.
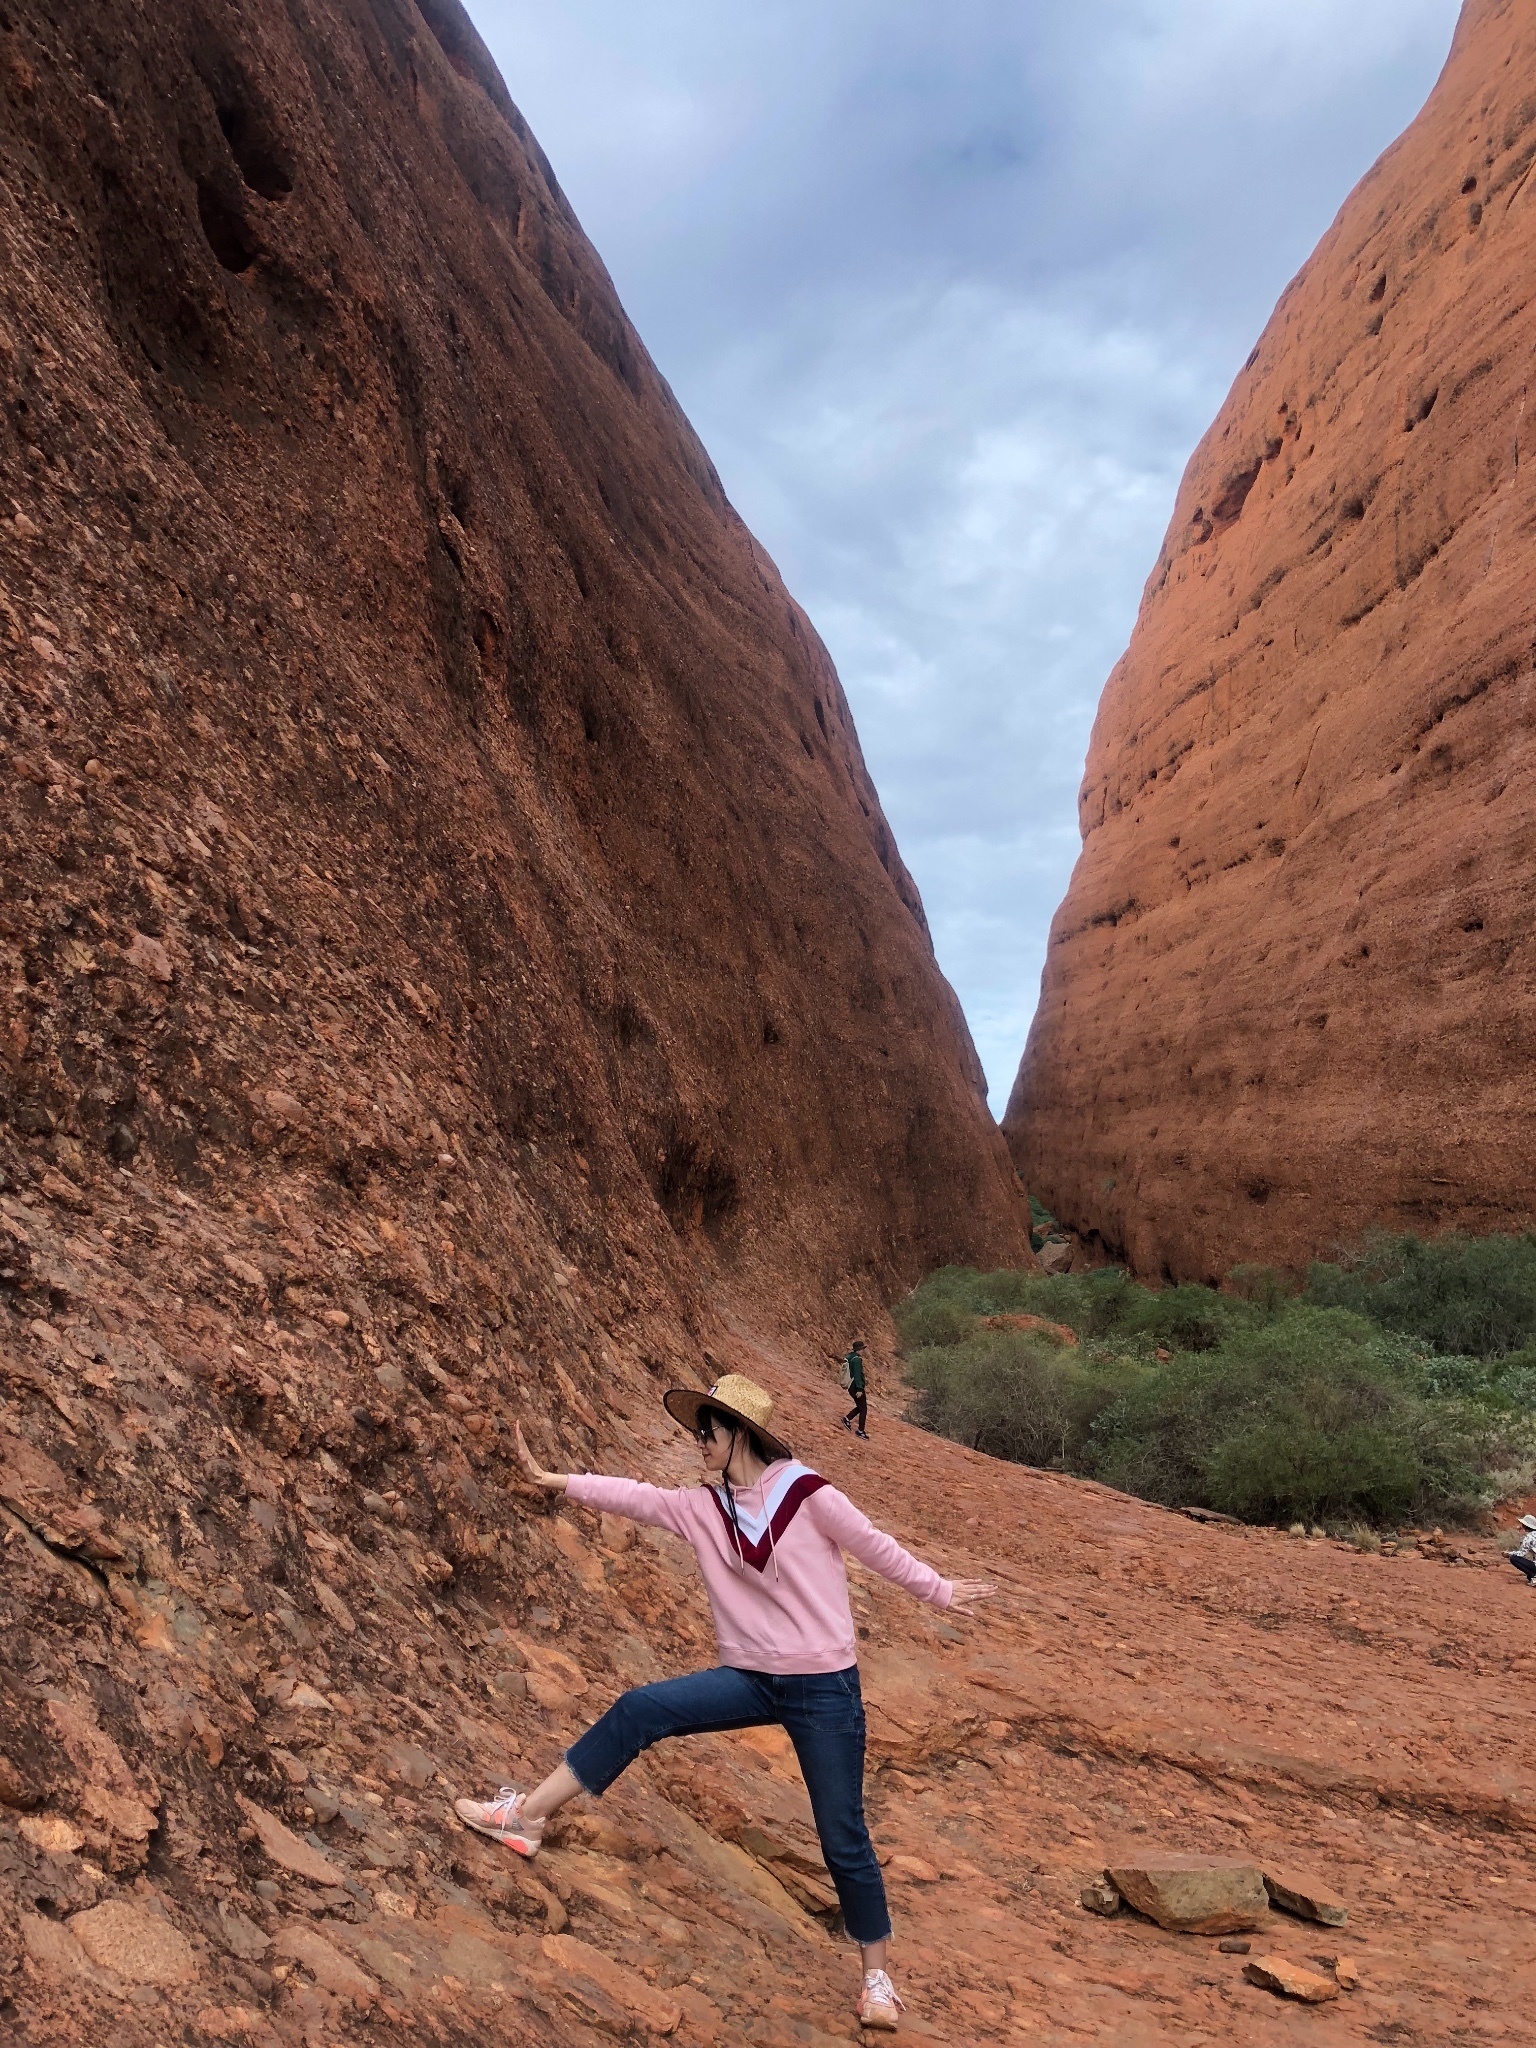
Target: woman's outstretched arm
[[662, 1507], [851, 1530]]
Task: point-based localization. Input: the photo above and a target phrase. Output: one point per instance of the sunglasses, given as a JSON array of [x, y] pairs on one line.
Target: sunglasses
[[705, 1432]]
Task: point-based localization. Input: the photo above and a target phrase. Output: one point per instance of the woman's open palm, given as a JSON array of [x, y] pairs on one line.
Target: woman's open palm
[[534, 1470], [967, 1592]]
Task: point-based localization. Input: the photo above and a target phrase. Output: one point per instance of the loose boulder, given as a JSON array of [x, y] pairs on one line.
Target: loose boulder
[[1305, 1897], [1290, 1980], [1194, 1894]]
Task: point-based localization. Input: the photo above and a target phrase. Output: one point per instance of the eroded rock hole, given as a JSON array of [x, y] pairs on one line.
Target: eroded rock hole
[[1234, 494], [1379, 290], [227, 234], [821, 716], [696, 1190], [263, 163], [487, 638], [629, 1026], [460, 493]]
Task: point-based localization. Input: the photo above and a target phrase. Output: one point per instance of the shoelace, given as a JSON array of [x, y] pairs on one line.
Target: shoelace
[[504, 1808], [877, 1985]]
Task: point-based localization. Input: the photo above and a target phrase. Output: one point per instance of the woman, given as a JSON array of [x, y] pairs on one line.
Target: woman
[[769, 1538]]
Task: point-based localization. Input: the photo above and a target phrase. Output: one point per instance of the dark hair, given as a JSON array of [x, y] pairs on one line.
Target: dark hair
[[755, 1443]]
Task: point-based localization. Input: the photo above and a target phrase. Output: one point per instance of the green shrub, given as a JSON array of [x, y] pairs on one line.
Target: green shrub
[[1011, 1393], [1345, 1405], [1473, 1295], [1266, 1288], [1185, 1318], [1295, 1420], [934, 1322]]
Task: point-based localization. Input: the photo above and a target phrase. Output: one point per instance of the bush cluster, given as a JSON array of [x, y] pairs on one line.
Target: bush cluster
[[1401, 1384]]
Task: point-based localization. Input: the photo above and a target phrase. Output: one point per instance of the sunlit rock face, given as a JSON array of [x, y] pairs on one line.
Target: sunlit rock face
[[1289, 994]]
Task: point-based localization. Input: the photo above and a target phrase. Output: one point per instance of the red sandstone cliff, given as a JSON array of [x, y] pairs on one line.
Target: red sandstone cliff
[[455, 965], [457, 994], [379, 643], [1290, 992]]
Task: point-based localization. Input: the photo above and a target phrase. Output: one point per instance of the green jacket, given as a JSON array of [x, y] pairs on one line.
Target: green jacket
[[855, 1364]]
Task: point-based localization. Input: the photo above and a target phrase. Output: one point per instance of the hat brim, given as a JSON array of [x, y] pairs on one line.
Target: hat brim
[[683, 1405]]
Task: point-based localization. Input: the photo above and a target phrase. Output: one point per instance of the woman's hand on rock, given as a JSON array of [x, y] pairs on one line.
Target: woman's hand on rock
[[966, 1592], [554, 1481]]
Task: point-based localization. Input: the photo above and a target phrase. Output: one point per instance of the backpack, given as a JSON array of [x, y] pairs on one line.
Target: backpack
[[845, 1376]]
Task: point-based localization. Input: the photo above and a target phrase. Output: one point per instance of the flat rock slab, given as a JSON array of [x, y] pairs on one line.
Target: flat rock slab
[[134, 1944], [285, 1848], [1291, 1980], [331, 1970], [656, 2012], [1194, 1894], [1306, 1897]]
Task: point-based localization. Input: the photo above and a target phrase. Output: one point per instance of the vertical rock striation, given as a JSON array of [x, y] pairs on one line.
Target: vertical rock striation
[[1291, 992]]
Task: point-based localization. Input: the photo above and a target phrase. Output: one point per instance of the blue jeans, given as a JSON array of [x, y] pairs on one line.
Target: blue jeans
[[823, 1714]]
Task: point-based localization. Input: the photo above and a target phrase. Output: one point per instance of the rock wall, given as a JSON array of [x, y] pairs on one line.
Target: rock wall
[[417, 773], [1290, 993], [455, 967]]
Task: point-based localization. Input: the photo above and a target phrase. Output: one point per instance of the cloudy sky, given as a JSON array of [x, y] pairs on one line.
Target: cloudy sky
[[951, 291]]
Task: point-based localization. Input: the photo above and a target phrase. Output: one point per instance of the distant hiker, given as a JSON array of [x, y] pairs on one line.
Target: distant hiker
[[854, 1382], [769, 1536], [1523, 1557]]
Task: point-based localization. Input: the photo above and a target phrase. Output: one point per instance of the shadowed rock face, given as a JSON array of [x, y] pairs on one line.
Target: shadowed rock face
[[456, 743], [455, 969], [1289, 993]]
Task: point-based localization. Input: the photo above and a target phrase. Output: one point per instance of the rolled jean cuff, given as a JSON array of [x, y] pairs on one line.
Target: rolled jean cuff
[[566, 1760]]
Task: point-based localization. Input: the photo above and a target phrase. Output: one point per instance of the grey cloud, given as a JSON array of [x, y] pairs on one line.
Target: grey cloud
[[950, 293]]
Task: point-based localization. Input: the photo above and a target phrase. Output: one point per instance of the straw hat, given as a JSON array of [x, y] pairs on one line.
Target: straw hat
[[1528, 1521], [740, 1398]]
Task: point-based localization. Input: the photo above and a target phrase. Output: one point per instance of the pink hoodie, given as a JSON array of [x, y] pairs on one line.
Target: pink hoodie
[[778, 1589]]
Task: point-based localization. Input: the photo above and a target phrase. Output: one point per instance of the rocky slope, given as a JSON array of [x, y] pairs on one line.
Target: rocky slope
[[1288, 995], [234, 1825], [455, 965]]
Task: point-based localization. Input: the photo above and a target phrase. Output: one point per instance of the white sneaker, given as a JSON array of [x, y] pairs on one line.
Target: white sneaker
[[878, 2003], [498, 1818]]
